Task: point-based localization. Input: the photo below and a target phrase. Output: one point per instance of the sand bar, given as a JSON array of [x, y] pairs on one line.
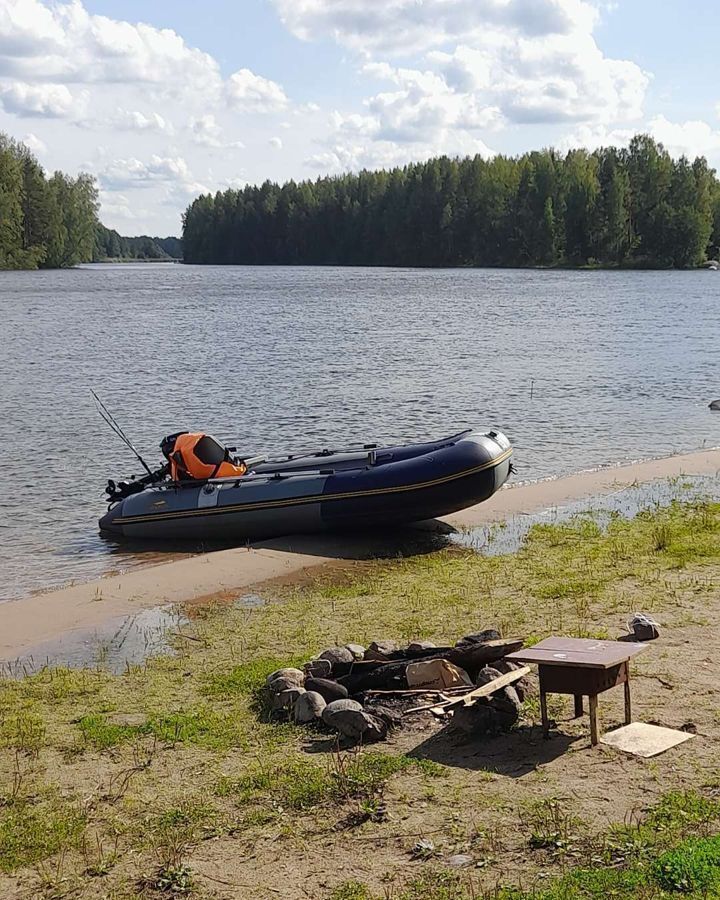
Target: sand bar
[[26, 623]]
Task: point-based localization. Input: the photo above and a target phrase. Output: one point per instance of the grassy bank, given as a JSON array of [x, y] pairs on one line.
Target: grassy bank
[[168, 780]]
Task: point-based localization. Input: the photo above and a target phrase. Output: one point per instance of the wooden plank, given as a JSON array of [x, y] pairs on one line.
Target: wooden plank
[[485, 691]]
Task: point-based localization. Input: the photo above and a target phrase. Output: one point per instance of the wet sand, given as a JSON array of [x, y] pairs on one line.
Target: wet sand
[[37, 621]]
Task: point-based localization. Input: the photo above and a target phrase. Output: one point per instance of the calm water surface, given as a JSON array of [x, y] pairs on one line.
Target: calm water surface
[[579, 369]]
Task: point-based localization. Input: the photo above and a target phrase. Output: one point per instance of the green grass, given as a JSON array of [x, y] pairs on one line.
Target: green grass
[[246, 678], [204, 727], [31, 832], [303, 784]]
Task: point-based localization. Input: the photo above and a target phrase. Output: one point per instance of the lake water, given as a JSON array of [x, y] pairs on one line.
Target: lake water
[[580, 369]]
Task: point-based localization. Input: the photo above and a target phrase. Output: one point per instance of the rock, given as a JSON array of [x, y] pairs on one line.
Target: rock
[[507, 710], [506, 665], [415, 648], [318, 668], [511, 694], [353, 722], [297, 674], [391, 718], [308, 708], [337, 655], [357, 650], [376, 729], [381, 650], [486, 717], [329, 690], [345, 716], [285, 683], [459, 861], [479, 637], [475, 720], [486, 675], [523, 688], [286, 699]]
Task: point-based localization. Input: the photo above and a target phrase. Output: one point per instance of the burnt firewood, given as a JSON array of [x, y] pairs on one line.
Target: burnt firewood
[[392, 676]]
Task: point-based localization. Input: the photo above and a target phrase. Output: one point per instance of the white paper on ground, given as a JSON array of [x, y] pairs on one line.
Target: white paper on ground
[[644, 740]]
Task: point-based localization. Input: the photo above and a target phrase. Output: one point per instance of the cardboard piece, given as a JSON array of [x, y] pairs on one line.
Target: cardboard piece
[[644, 740]]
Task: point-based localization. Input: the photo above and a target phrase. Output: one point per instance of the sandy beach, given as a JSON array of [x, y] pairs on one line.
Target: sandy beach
[[31, 622]]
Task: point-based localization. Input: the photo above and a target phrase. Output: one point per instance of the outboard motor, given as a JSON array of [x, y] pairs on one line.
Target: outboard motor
[[117, 491]]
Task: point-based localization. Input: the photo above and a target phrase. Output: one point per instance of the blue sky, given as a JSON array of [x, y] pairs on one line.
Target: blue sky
[[163, 101]]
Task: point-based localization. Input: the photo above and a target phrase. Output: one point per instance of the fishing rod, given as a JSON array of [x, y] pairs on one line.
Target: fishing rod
[[111, 421]]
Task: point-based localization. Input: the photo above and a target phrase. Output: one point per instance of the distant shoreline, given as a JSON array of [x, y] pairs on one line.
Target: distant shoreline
[[124, 260]]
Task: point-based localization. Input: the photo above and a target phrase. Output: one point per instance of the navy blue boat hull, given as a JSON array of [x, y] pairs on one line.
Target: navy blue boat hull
[[322, 492]]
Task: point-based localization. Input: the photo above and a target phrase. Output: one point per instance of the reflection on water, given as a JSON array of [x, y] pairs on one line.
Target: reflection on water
[[624, 365], [121, 642]]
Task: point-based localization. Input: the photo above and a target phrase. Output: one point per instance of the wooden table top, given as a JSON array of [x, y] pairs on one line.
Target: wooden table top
[[582, 653]]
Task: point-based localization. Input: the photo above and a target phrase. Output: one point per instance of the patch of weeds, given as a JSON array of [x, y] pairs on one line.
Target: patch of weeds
[[24, 732], [595, 884], [170, 835], [175, 880], [102, 735], [203, 726], [661, 537], [676, 811], [247, 678], [302, 784], [440, 885], [550, 826], [692, 866], [31, 833], [351, 890]]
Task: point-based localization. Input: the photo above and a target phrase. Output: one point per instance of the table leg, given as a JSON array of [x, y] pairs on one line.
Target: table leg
[[578, 706], [593, 720], [628, 707], [544, 713]]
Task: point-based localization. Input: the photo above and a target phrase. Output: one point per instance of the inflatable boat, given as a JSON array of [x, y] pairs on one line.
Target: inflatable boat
[[322, 491]]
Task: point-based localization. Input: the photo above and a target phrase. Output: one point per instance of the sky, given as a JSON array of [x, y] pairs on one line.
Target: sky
[[164, 101]]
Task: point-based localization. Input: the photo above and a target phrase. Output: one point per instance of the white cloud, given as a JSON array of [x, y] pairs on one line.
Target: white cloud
[[207, 133], [117, 205], [405, 26], [276, 143], [249, 92], [691, 139], [134, 120], [591, 137], [129, 120], [121, 174], [36, 100], [64, 42], [33, 142], [488, 64]]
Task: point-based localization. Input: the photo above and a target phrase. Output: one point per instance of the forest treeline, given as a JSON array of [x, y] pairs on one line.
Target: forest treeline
[[615, 207], [110, 245], [52, 223], [44, 222]]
